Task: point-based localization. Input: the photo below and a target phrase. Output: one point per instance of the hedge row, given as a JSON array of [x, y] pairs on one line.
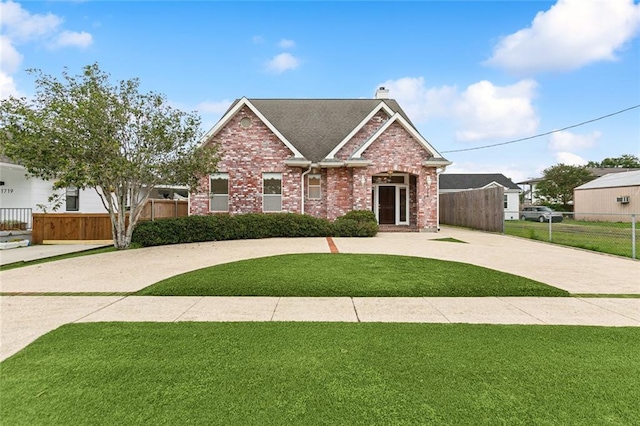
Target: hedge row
[[221, 227]]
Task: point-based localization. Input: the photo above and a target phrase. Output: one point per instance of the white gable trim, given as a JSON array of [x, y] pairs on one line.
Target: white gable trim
[[408, 127], [494, 183], [233, 111], [506, 189], [381, 106]]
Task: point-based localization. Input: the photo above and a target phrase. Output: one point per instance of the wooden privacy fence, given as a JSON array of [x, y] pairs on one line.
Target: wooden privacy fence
[[157, 209], [95, 226], [481, 209]]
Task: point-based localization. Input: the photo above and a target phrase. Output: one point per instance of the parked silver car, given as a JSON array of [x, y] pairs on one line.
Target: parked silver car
[[540, 214]]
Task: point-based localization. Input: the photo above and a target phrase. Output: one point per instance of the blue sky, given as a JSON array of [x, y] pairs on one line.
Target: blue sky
[[468, 74]]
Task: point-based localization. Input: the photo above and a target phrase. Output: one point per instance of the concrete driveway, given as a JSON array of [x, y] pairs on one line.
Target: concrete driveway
[[574, 270]]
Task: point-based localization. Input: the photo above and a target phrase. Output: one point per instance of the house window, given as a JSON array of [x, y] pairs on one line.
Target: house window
[[272, 192], [506, 201], [219, 192], [73, 199], [313, 187]]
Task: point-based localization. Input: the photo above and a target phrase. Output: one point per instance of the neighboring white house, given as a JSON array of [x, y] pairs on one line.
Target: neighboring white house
[[456, 182], [17, 191], [612, 198], [529, 190]]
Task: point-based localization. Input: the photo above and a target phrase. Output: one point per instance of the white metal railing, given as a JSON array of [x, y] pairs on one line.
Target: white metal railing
[[15, 218]]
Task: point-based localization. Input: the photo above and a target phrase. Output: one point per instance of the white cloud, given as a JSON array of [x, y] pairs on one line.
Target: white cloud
[[8, 87], [72, 38], [282, 62], [21, 25], [571, 34], [570, 159], [486, 111], [567, 141], [257, 39], [483, 111], [211, 112], [218, 107], [286, 44], [418, 101], [10, 58]]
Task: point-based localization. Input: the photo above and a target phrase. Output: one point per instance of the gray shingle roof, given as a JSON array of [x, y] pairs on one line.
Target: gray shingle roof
[[613, 180], [474, 180], [601, 171], [316, 126]]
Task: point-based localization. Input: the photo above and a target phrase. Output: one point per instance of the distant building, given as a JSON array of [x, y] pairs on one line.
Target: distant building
[[613, 197], [529, 186]]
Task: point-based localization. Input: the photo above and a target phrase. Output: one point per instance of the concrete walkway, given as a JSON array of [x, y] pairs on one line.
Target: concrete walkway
[[25, 318], [25, 254]]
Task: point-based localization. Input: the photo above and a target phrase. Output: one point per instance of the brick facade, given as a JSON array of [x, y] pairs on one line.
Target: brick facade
[[248, 152]]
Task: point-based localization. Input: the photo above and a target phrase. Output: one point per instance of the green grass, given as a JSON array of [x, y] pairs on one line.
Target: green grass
[[321, 373], [66, 293], [605, 237], [59, 257], [352, 275]]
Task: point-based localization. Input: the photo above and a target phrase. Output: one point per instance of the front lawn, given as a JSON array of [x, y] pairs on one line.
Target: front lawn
[[351, 275], [337, 373]]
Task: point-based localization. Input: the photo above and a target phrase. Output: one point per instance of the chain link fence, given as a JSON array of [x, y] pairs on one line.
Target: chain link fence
[[616, 234]]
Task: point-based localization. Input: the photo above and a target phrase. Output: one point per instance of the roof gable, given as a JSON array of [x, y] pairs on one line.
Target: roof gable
[[381, 107], [397, 118], [475, 180], [314, 129], [233, 110]]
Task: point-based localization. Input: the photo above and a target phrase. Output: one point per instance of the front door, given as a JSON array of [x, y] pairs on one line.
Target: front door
[[387, 205]]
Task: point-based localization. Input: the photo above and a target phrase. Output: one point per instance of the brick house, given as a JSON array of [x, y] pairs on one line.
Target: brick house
[[323, 157]]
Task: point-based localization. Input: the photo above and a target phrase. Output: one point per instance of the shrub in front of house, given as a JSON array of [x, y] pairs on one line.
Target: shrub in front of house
[[356, 223], [221, 227]]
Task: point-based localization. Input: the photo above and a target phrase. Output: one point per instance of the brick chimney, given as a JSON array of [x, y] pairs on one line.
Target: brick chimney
[[382, 93]]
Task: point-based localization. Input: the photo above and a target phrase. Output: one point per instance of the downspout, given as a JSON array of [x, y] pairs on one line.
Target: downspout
[[302, 188], [438, 172]]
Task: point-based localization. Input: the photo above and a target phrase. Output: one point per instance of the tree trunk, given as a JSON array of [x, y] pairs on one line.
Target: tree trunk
[[121, 240]]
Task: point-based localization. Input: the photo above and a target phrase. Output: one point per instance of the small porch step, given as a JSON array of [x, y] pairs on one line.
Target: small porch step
[[397, 228]]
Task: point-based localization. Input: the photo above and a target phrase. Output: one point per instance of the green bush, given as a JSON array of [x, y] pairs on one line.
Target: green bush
[[361, 216], [356, 223], [221, 227]]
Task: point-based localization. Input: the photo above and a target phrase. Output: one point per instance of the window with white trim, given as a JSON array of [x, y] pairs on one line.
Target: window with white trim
[[272, 192], [506, 201], [219, 192], [72, 199], [314, 189]]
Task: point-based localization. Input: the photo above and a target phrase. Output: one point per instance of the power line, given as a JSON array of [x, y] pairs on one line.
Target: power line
[[545, 134]]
